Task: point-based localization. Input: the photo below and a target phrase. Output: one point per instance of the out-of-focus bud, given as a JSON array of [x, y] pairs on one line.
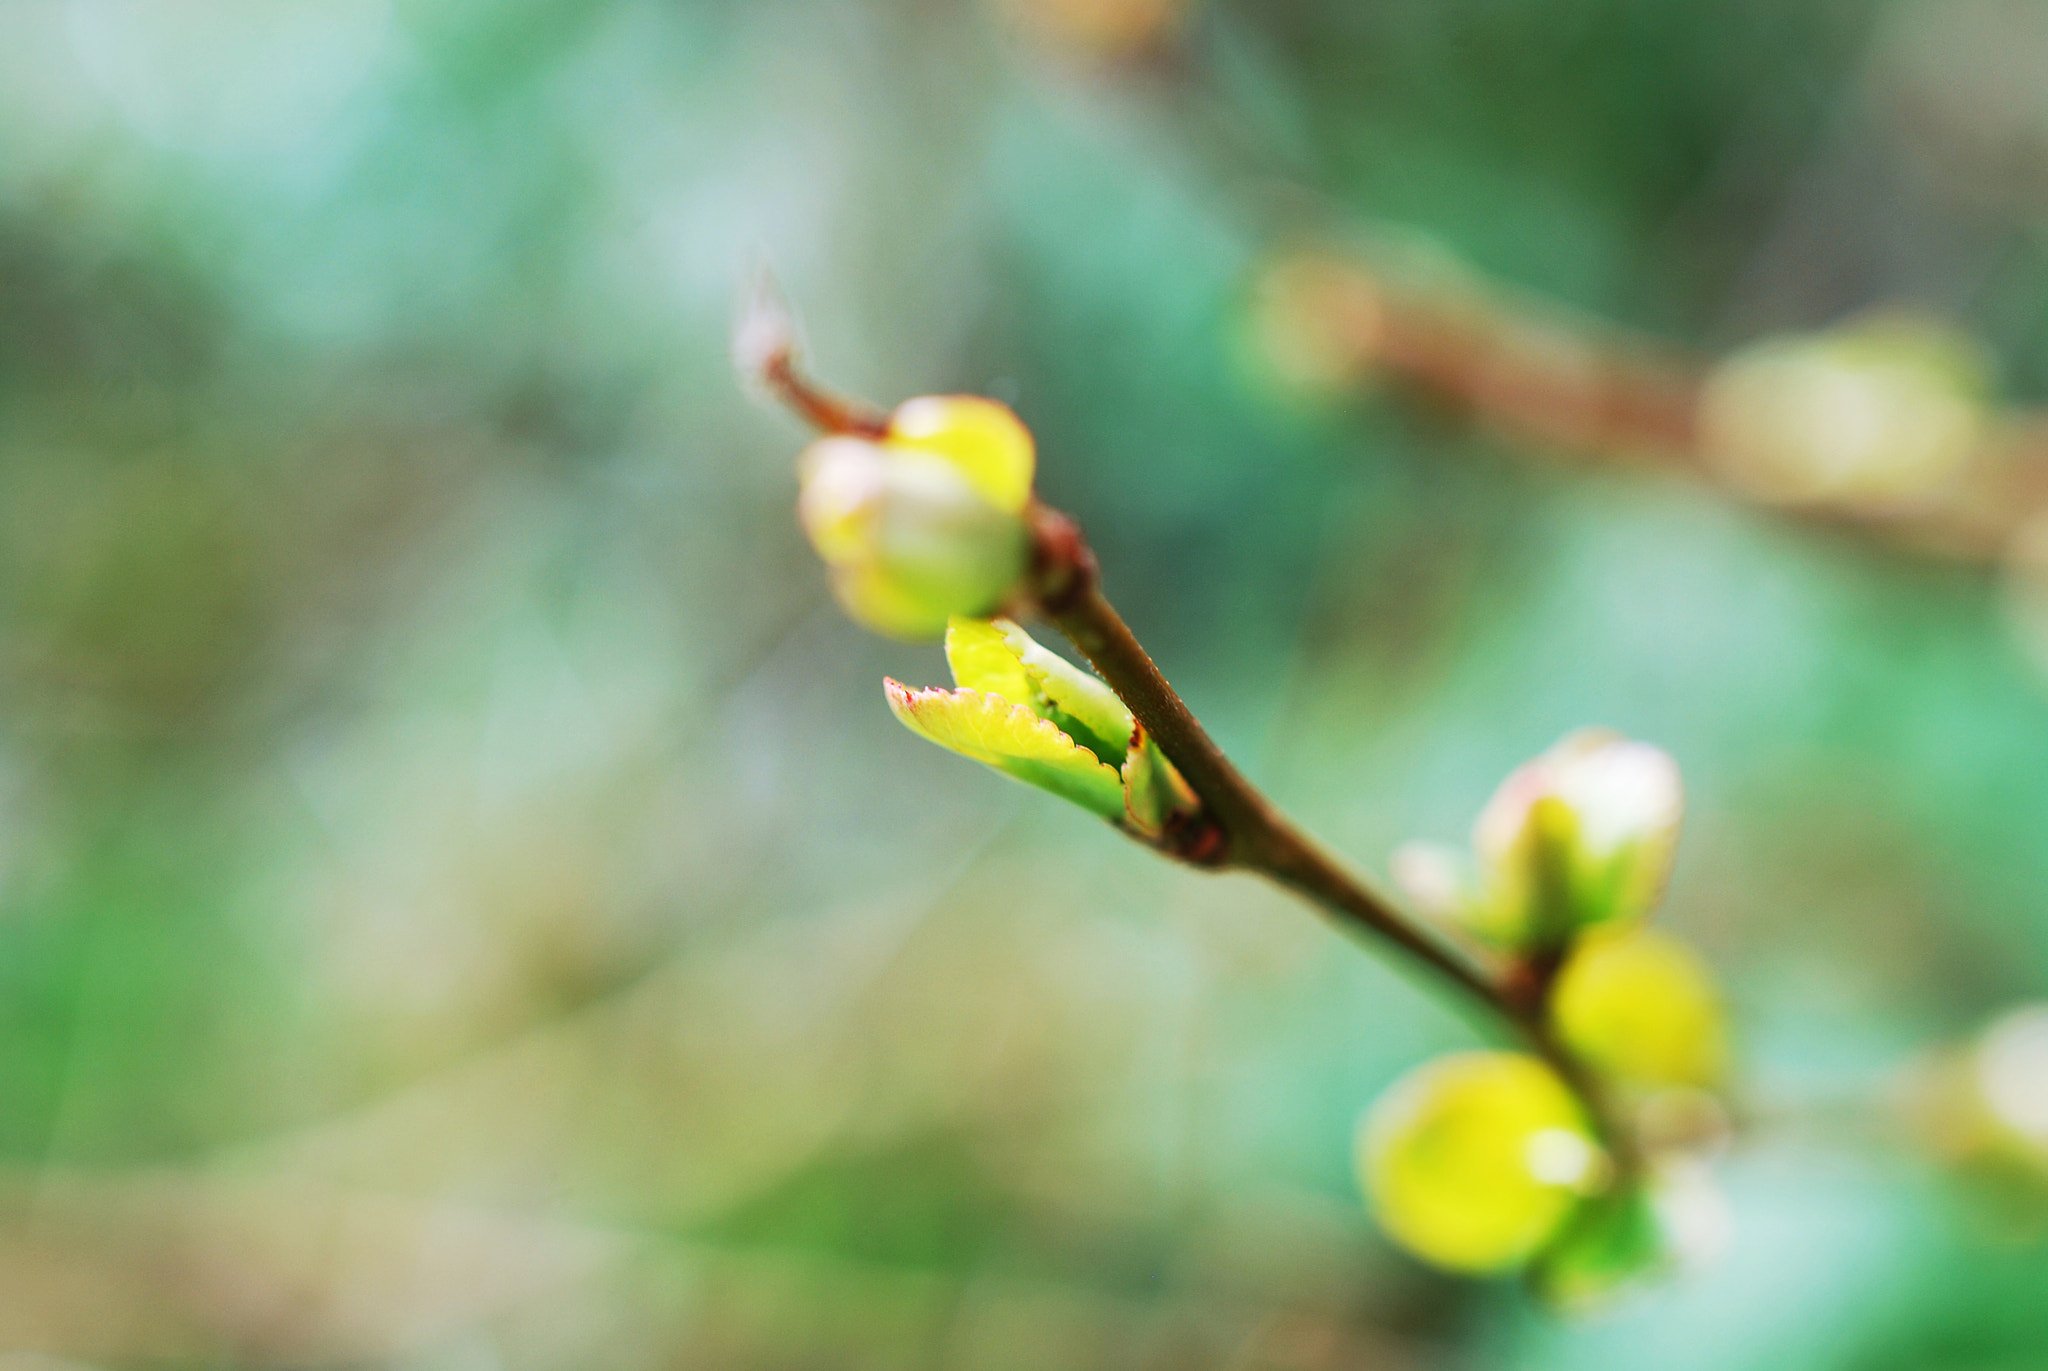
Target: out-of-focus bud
[[927, 521], [1983, 1109], [1315, 321], [1873, 413], [983, 439], [1991, 1099], [1642, 1009], [2012, 1077], [1037, 717], [1581, 836], [1475, 1161], [1672, 1217]]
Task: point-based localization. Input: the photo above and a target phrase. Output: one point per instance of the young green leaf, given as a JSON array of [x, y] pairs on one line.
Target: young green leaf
[[998, 660], [982, 659], [1013, 740], [1083, 706], [997, 657]]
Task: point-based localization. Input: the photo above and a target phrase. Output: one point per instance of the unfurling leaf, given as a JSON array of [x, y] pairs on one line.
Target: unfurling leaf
[[982, 659], [997, 657], [1039, 697], [1011, 739]]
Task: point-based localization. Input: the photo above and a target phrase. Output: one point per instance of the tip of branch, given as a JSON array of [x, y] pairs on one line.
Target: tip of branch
[[764, 331], [766, 350]]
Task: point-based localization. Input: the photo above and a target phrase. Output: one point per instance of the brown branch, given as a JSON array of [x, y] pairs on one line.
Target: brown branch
[[818, 407], [1257, 837], [1538, 374]]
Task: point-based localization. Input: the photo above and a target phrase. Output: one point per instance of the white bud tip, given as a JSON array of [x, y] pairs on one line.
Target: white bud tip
[[764, 329]]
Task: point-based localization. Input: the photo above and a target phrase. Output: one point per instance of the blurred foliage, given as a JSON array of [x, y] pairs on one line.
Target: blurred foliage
[[464, 902]]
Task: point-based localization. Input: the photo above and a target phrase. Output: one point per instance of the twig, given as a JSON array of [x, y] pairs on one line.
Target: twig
[[766, 351], [1539, 374], [1257, 837], [1238, 826]]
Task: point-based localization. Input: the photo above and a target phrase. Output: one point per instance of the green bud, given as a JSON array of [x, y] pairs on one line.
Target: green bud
[[1584, 834], [907, 538]]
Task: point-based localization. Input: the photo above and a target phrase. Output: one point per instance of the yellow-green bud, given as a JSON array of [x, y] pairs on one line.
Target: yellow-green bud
[[1583, 835], [1642, 1008], [1476, 1160], [1982, 1108], [927, 521]]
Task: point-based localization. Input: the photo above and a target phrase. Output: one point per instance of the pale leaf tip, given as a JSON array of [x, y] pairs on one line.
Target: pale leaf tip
[[764, 334]]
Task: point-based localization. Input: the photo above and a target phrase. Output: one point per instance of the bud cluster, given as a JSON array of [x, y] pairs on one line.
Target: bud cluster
[[1486, 1162], [1480, 1162]]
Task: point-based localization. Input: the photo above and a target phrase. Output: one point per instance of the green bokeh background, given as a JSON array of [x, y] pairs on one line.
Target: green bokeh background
[[464, 904]]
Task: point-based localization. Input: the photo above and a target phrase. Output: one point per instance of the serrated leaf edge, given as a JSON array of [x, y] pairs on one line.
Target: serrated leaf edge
[[1095, 785]]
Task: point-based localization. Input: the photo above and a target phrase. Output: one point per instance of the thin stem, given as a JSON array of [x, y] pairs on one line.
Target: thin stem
[[1256, 836], [820, 408], [765, 350]]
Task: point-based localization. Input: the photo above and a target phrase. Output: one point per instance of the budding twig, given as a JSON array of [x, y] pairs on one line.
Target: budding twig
[[1237, 826], [1543, 375], [1257, 837]]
